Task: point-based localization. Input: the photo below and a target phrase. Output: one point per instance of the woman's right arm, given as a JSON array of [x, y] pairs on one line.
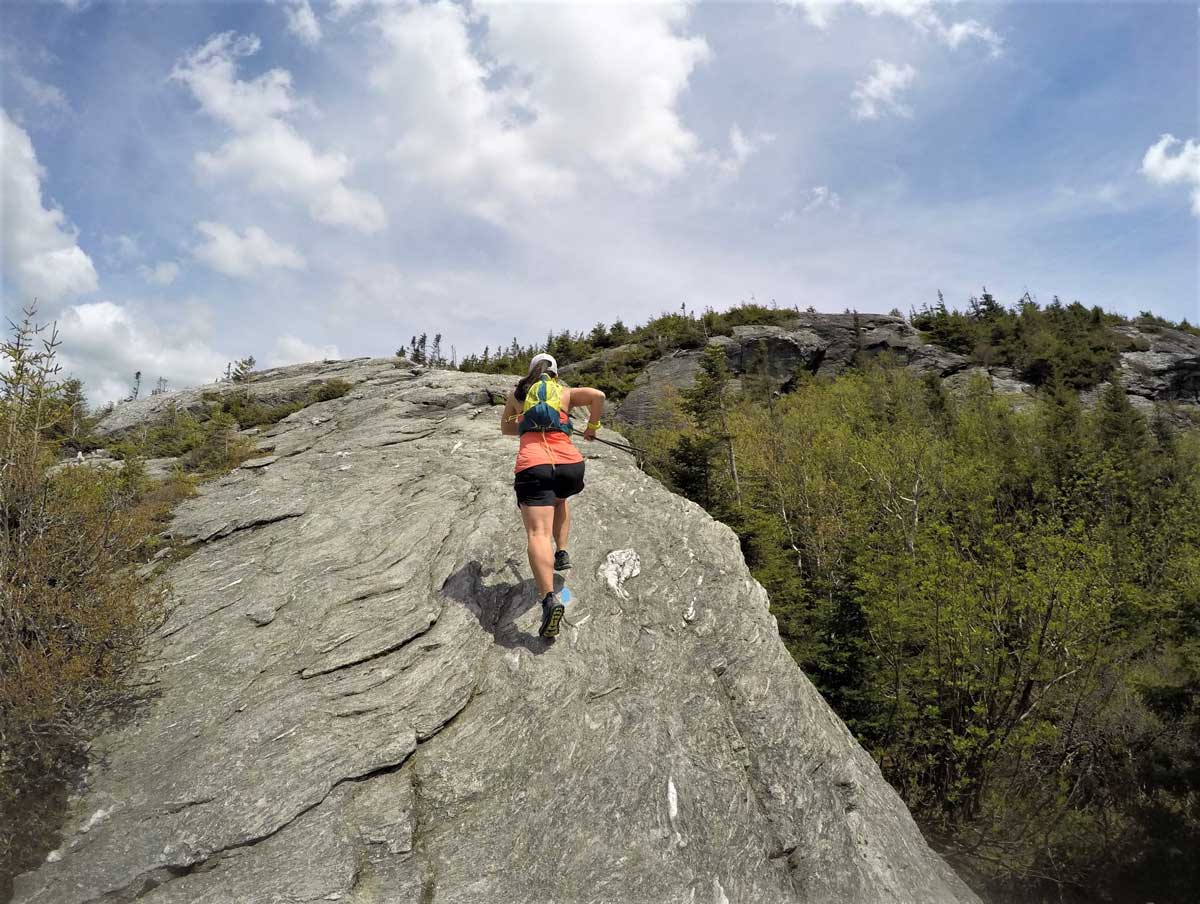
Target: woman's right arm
[[512, 413], [594, 400]]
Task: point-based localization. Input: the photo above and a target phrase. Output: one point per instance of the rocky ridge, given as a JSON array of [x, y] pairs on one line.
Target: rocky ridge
[[349, 702], [1161, 367]]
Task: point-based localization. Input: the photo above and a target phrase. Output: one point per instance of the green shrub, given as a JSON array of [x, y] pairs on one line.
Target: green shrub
[[220, 448], [73, 613], [330, 389], [1001, 603], [1070, 343]]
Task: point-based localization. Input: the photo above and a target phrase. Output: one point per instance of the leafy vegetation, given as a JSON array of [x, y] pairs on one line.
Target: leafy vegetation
[[1071, 344], [73, 612], [1003, 603]]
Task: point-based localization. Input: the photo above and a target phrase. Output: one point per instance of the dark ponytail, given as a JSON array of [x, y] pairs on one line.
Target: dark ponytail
[[530, 378]]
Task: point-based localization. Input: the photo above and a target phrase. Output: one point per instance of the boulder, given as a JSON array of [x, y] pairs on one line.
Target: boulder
[[349, 700]]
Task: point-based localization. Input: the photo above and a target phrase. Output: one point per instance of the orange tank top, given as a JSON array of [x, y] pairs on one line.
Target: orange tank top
[[551, 448]]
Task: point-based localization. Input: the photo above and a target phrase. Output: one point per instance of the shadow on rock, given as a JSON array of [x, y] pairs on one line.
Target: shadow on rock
[[497, 605]]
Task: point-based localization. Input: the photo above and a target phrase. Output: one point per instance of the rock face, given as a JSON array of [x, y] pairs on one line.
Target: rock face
[[349, 700], [818, 344], [277, 386], [1162, 366]]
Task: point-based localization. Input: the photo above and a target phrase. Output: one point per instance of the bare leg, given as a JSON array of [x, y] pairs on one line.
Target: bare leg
[[539, 524], [562, 524]]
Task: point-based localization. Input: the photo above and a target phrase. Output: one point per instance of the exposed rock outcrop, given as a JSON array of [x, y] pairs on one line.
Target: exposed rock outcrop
[[818, 344], [277, 386], [1164, 365], [350, 701], [1160, 365]]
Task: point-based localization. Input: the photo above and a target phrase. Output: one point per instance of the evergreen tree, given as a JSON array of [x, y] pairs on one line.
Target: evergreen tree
[[242, 369], [73, 422], [1122, 427], [756, 381], [706, 401]]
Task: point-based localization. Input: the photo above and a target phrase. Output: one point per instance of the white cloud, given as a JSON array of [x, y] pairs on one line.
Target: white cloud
[[822, 196], [302, 22], [879, 93], [293, 350], [919, 13], [515, 102], [210, 72], [266, 150], [1108, 194], [819, 13], [603, 80], [126, 247], [742, 147], [43, 93], [41, 256], [817, 198], [1161, 168], [161, 274], [244, 255], [105, 343], [340, 8], [961, 32], [454, 129]]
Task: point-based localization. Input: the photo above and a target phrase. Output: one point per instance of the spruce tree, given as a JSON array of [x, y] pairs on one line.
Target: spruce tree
[[706, 401]]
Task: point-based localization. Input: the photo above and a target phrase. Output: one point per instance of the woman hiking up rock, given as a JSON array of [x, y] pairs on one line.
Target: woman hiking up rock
[[549, 470]]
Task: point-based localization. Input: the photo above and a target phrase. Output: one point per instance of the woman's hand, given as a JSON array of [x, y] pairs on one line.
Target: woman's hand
[[593, 400]]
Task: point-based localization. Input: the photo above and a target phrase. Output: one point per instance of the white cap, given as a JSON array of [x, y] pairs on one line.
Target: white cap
[[538, 359]]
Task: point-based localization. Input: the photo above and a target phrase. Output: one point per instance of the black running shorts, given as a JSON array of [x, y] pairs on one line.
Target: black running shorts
[[546, 484]]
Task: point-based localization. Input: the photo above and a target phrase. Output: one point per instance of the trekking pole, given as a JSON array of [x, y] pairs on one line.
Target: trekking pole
[[632, 450]]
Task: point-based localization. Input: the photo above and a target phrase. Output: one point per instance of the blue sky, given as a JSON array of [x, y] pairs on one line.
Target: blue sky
[[187, 183]]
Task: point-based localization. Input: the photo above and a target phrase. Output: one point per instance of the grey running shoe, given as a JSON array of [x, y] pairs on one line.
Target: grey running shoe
[[562, 560], [552, 613]]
